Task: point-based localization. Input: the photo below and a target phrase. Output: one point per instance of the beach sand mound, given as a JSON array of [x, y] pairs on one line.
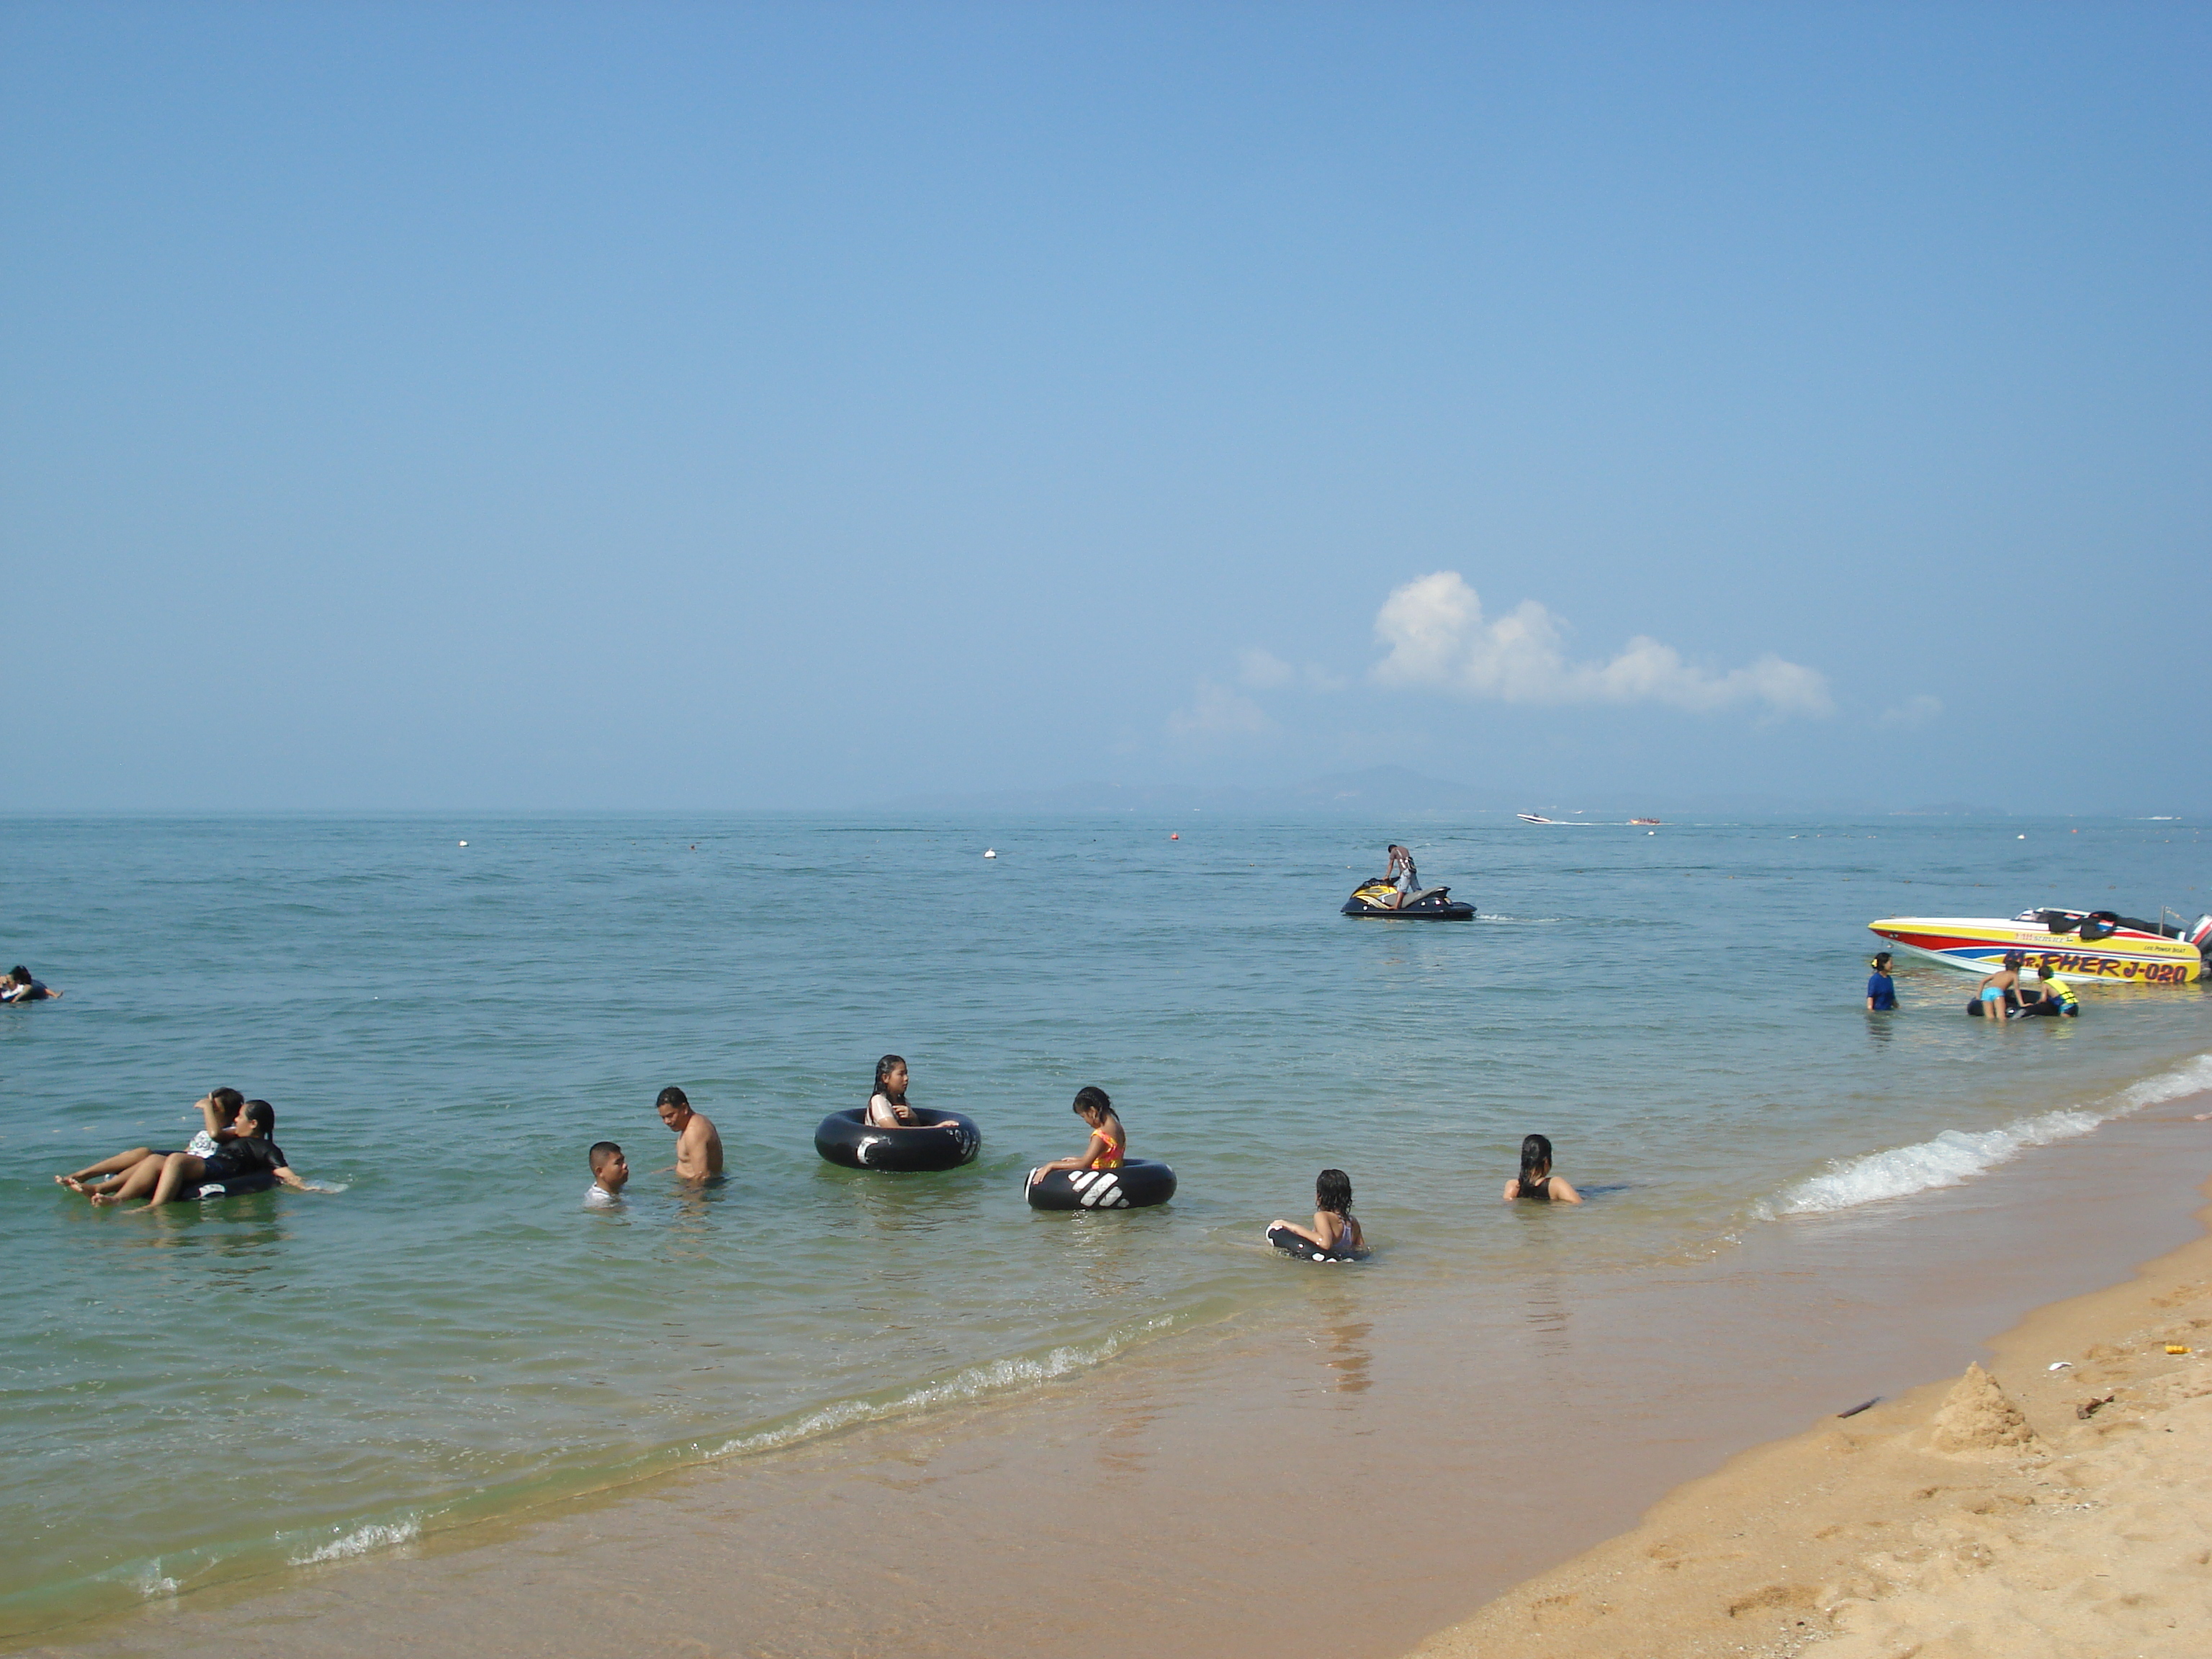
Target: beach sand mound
[[2065, 1516], [1975, 1417]]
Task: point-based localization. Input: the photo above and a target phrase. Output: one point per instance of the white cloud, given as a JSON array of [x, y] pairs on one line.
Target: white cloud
[[1217, 712], [1913, 711], [1438, 638], [1263, 670]]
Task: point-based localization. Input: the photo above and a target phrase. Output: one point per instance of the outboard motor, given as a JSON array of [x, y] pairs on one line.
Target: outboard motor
[[2201, 937]]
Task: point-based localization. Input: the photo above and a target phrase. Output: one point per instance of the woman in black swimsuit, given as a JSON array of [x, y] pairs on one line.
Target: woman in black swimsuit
[[1536, 1179]]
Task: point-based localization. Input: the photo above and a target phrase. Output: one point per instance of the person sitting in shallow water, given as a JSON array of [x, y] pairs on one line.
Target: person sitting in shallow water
[[1335, 1229], [219, 1108], [1536, 1179], [887, 1107], [1109, 1141]]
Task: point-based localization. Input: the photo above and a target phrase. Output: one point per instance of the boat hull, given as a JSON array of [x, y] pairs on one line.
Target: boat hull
[[1978, 944]]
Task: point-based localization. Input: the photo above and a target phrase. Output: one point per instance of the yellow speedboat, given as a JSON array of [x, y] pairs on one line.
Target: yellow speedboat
[[2075, 945]]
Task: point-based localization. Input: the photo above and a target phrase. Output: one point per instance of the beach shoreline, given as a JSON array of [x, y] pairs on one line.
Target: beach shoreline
[[1449, 1483], [2057, 1503]]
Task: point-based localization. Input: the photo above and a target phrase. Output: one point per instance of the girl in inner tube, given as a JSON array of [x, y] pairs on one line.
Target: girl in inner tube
[[887, 1107], [1335, 1229], [1109, 1141]]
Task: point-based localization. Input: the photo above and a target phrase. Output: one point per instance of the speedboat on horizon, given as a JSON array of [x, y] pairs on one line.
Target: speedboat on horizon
[[2075, 945]]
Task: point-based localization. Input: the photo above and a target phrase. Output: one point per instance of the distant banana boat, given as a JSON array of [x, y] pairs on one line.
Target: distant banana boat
[[2075, 945]]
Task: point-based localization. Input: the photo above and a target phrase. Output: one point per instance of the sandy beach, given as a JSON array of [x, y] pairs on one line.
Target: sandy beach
[[2058, 1503]]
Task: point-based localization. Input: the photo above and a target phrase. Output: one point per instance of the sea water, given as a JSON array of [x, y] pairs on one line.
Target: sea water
[[210, 1390]]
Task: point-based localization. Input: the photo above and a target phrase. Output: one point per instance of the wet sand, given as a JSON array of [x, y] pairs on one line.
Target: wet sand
[[1353, 1477]]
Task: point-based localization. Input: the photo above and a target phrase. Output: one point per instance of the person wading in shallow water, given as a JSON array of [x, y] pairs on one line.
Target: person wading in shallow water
[[1536, 1179], [698, 1147], [1881, 989]]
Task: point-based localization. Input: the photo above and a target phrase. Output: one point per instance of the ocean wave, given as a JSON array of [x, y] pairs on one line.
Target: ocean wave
[[362, 1540], [976, 1382], [1958, 1155]]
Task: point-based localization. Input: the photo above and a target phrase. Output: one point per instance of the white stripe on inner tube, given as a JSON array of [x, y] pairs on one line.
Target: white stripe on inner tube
[[1104, 1191]]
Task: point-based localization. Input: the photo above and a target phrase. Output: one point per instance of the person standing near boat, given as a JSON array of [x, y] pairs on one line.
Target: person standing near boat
[[1881, 989], [2000, 993]]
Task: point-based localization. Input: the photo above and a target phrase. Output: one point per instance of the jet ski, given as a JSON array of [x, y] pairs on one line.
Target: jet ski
[[1379, 897]]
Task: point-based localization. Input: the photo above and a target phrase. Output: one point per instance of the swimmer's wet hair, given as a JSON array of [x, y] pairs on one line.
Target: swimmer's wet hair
[[885, 1067], [229, 1099], [262, 1113], [1878, 961], [1535, 1158], [1094, 1098], [672, 1095], [1333, 1191], [19, 974], [602, 1152]]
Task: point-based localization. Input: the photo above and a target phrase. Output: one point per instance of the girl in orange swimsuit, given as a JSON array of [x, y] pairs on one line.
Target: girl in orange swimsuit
[[1109, 1141]]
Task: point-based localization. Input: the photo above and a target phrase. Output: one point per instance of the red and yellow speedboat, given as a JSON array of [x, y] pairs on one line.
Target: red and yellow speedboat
[[2075, 945]]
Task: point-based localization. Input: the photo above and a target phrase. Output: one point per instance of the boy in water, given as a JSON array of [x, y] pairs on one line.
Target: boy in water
[[698, 1148], [610, 1170]]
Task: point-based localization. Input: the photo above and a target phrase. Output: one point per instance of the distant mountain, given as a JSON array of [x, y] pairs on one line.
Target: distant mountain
[[1378, 790]]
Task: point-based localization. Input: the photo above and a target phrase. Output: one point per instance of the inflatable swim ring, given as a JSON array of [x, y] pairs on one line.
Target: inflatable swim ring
[[945, 1141], [256, 1181], [1305, 1249], [1138, 1182]]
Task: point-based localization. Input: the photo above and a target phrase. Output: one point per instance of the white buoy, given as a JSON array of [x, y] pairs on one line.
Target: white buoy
[[464, 843], [990, 852], [2021, 838]]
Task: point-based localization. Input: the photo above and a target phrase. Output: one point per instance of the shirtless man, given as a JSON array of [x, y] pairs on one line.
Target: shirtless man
[[698, 1148]]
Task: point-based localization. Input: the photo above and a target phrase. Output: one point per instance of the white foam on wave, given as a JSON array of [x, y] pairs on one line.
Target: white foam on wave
[[977, 1382], [360, 1541], [1957, 1156], [152, 1581]]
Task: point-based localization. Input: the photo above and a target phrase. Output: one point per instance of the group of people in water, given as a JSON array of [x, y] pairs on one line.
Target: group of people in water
[[1335, 1231], [2002, 996], [235, 1142]]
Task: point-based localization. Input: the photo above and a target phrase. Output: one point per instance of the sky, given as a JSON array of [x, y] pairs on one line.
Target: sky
[[638, 406]]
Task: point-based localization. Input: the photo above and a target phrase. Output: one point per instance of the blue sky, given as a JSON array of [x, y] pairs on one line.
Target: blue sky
[[658, 405]]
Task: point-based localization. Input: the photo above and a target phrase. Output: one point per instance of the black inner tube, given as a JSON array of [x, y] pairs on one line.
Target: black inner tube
[[943, 1140], [1305, 1249]]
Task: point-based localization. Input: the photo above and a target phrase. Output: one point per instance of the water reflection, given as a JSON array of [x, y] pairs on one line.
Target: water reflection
[[1339, 1333], [1545, 1315]]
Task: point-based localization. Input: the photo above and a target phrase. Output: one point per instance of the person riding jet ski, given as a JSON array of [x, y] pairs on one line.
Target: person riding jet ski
[[1402, 876], [1399, 892]]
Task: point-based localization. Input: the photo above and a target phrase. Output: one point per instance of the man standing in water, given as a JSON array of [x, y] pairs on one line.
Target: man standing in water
[[698, 1148]]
